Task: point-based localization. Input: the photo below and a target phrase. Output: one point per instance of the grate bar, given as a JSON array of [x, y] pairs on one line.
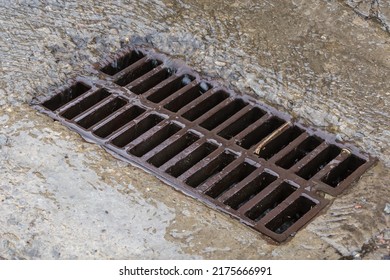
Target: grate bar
[[101, 112], [241, 135], [137, 128], [311, 168], [129, 69], [292, 153], [202, 104], [308, 157], [342, 156], [81, 106], [117, 120], [209, 184], [141, 69], [219, 117], [240, 121], [214, 158], [231, 196], [168, 87], [182, 99], [148, 142], [69, 94], [230, 178], [191, 157], [121, 62], [258, 194], [149, 80], [288, 216], [274, 202], [242, 109], [335, 181], [173, 147]]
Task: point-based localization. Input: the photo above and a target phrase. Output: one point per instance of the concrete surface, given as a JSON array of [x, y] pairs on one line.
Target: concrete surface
[[326, 62], [375, 10]]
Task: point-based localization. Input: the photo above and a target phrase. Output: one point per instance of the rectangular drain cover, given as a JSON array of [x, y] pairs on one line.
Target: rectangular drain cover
[[221, 147]]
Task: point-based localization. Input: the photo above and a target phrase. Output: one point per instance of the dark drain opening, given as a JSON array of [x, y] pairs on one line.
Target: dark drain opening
[[122, 63], [66, 96], [119, 121], [170, 88], [223, 114], [343, 170], [185, 98], [173, 149], [85, 103], [270, 202], [260, 132], [152, 81], [242, 123], [138, 72], [307, 146], [136, 130], [290, 215], [250, 190], [193, 158], [278, 143], [155, 140], [211, 169], [319, 162], [230, 180], [206, 105], [101, 113]]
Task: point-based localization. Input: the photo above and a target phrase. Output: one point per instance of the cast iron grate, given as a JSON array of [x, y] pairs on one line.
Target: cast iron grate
[[223, 148]]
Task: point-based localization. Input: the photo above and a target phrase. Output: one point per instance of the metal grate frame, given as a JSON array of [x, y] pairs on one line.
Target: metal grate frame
[[221, 147]]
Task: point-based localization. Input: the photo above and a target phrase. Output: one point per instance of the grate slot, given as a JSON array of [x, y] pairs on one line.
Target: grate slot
[[138, 72], [316, 164], [290, 215], [185, 98], [230, 180], [250, 190], [152, 81], [170, 88], [122, 62], [206, 105], [85, 103], [66, 96], [136, 130], [212, 168], [343, 170], [223, 114], [304, 148], [155, 140], [278, 143], [271, 201], [242, 123], [260, 132], [173, 149], [101, 113], [193, 158], [119, 121]]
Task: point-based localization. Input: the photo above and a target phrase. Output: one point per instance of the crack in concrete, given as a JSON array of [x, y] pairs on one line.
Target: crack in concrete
[[373, 13], [372, 245]]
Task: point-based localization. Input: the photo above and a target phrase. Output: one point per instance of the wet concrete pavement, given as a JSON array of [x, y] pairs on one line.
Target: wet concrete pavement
[[321, 61]]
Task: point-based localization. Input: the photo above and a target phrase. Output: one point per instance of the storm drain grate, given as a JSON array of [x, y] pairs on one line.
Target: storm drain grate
[[223, 148]]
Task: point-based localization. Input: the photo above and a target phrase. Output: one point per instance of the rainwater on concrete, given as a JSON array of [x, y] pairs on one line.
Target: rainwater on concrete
[[326, 62]]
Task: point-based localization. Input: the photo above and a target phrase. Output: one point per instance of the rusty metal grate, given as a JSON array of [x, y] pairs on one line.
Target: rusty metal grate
[[223, 148]]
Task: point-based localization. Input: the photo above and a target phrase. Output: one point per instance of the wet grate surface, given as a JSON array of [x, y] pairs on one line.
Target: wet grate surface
[[221, 147]]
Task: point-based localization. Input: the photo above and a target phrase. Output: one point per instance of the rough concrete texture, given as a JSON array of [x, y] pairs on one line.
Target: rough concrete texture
[[375, 10], [64, 198]]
